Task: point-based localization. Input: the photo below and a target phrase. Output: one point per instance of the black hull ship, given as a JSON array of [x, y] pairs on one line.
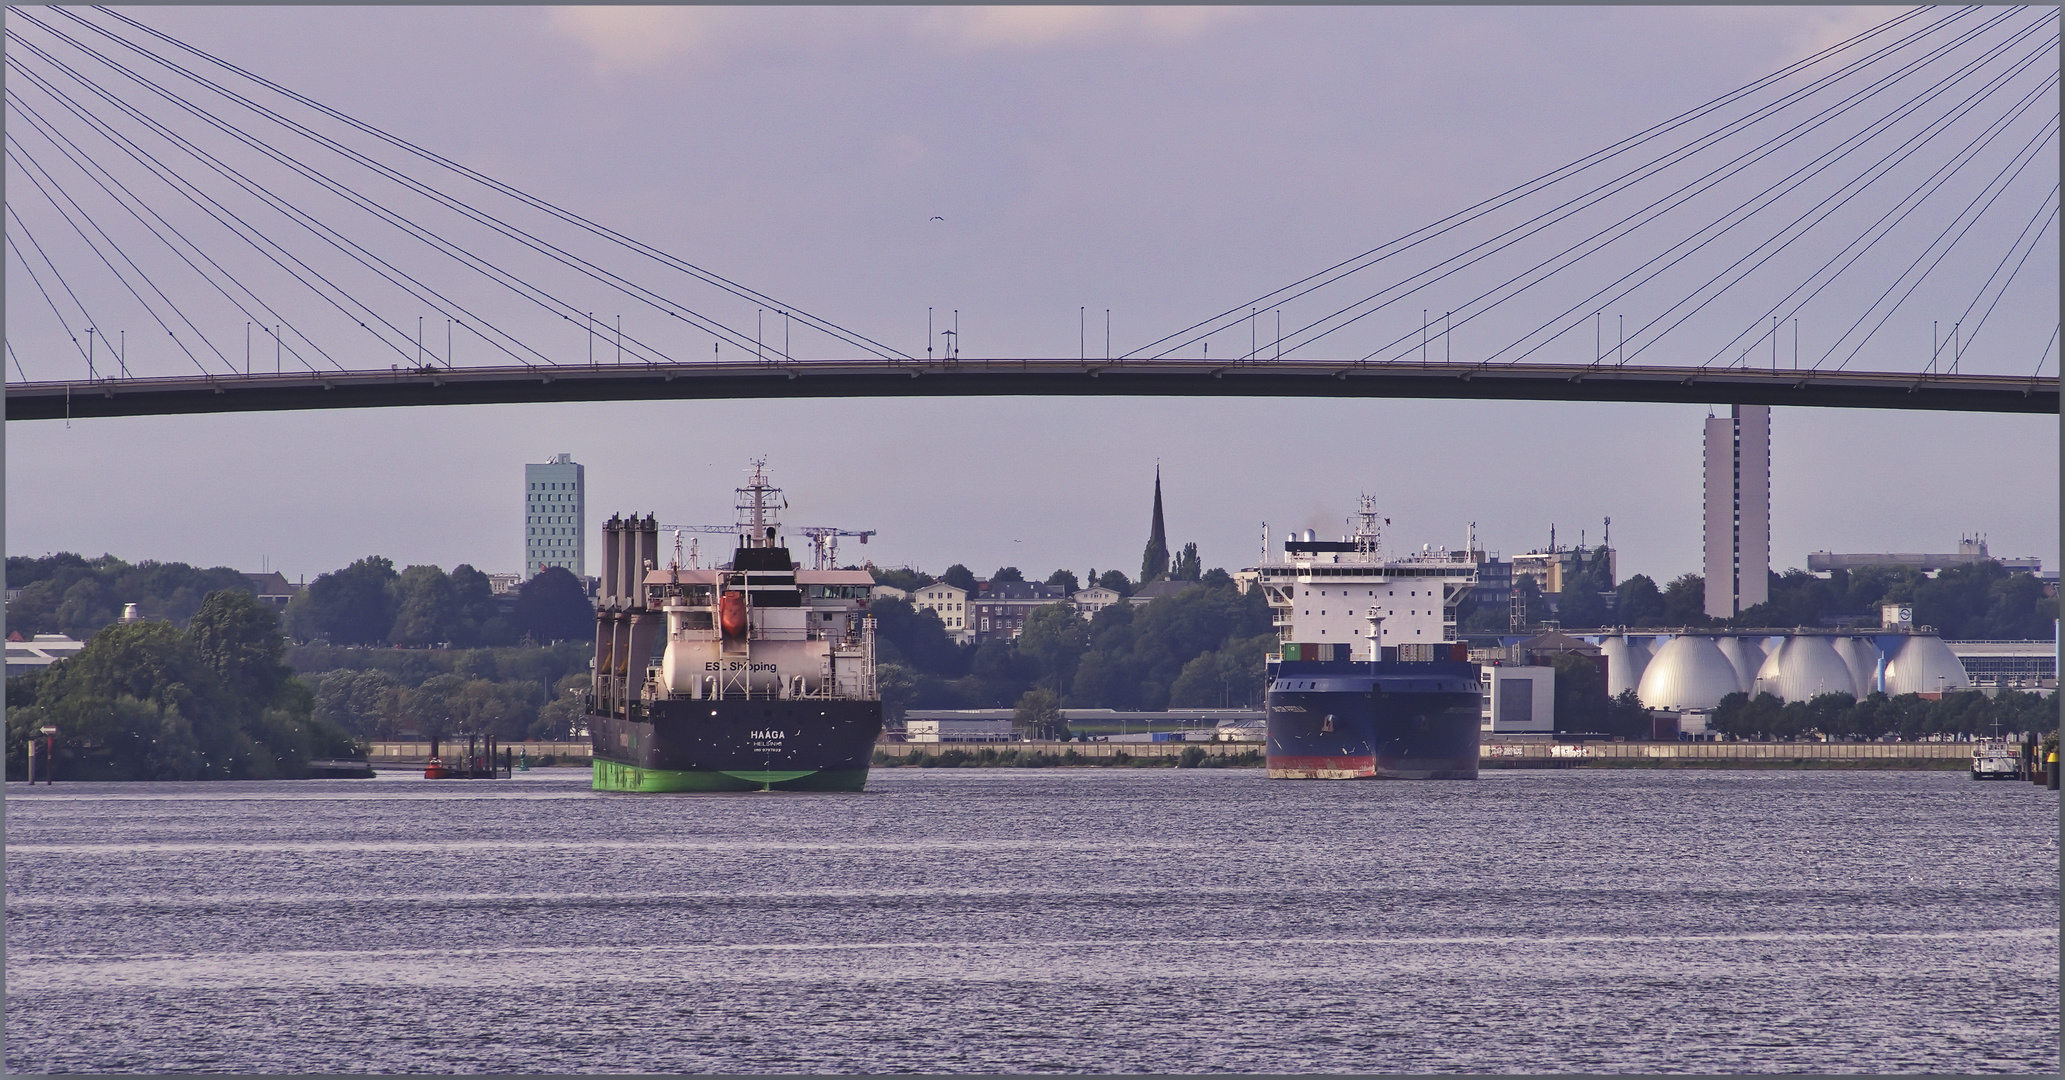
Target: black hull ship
[[755, 676]]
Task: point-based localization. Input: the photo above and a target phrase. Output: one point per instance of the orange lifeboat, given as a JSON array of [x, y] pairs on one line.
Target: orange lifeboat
[[435, 770], [731, 614]]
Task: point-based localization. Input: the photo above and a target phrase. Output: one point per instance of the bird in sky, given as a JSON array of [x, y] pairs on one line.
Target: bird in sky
[[936, 217]]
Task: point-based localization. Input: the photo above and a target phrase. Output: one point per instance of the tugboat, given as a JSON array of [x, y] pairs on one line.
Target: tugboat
[[755, 676], [1370, 681]]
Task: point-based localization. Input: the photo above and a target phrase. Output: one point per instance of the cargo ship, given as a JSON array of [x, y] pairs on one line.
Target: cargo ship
[[1370, 681], [754, 676]]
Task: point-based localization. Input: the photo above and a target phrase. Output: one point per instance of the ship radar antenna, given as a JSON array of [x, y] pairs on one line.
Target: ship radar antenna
[[676, 564]]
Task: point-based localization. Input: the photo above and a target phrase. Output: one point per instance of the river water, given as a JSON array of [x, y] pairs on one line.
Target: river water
[[1033, 920]]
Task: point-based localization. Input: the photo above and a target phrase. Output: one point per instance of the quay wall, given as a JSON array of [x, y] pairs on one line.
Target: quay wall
[[1495, 753], [391, 752]]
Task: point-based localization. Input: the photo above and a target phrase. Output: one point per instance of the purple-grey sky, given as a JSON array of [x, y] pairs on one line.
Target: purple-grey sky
[[1163, 163]]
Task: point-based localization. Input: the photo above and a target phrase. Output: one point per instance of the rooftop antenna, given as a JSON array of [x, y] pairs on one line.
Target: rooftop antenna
[[1607, 540], [1265, 541]]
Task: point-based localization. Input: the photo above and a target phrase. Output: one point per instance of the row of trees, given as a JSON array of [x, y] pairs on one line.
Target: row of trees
[[151, 701], [511, 693], [72, 595], [369, 603], [1907, 717], [1202, 646], [960, 577], [366, 603]]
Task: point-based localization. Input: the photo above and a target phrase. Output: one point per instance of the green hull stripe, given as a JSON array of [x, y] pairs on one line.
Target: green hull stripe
[[616, 776]]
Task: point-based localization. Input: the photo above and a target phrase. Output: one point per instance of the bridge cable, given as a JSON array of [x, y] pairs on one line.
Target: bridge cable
[[1911, 145], [1955, 163], [1652, 210], [30, 167], [47, 298], [2003, 179], [385, 270], [75, 154], [419, 232], [1890, 218], [665, 259], [1770, 195], [10, 354], [1596, 195], [1413, 239], [2050, 200]]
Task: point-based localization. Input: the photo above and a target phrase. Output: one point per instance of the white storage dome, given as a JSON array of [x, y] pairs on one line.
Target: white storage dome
[[1863, 658], [1923, 664], [1688, 672], [1626, 657], [1746, 655], [1804, 667]]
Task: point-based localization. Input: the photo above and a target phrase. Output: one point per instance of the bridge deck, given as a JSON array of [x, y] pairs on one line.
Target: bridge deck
[[434, 385]]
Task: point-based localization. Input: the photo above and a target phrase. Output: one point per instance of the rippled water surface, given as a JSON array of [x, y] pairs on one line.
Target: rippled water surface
[[1102, 920]]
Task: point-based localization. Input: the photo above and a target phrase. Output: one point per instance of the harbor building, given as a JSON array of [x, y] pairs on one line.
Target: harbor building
[[1738, 510], [555, 514], [1517, 698], [34, 654], [950, 604], [1970, 550]]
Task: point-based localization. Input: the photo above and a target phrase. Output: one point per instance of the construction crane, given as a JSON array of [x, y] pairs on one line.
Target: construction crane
[[824, 539]]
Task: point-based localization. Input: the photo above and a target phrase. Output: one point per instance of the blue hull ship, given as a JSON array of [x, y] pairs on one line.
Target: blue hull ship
[[1353, 719], [1370, 681]]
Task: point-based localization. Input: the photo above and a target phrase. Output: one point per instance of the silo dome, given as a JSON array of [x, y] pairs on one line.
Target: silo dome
[[1688, 672], [1923, 664], [1863, 658], [1626, 657], [1804, 667], [1746, 655]]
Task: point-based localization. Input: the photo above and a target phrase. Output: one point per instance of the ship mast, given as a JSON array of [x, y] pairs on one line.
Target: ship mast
[[757, 504], [1369, 537]]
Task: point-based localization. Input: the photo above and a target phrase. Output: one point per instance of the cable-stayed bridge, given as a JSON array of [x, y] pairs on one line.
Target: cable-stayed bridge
[[1780, 244]]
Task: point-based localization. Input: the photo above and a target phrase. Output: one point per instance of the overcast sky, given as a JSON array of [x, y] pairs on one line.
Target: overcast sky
[[1163, 163]]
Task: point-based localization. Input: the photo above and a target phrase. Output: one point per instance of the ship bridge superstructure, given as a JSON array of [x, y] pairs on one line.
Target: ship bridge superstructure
[[1348, 594]]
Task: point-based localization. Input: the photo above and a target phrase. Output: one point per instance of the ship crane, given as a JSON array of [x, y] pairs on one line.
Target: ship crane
[[824, 540]]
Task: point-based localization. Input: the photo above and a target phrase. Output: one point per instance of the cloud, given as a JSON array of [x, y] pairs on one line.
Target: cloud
[[633, 38], [1036, 26], [1795, 31]]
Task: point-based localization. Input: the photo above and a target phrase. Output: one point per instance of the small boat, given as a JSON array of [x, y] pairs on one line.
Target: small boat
[[1996, 759], [435, 770]]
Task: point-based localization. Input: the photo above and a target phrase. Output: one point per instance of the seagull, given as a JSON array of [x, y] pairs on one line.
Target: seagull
[[936, 217]]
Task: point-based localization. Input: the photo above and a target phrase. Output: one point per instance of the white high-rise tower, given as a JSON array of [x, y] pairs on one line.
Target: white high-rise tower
[[1738, 510], [555, 512]]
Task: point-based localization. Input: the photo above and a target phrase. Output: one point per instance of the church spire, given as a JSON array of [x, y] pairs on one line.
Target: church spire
[[1154, 562]]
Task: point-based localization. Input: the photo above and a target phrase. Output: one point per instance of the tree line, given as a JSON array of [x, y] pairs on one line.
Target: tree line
[[1202, 646], [510, 693], [153, 701], [369, 603], [366, 603], [1907, 717]]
